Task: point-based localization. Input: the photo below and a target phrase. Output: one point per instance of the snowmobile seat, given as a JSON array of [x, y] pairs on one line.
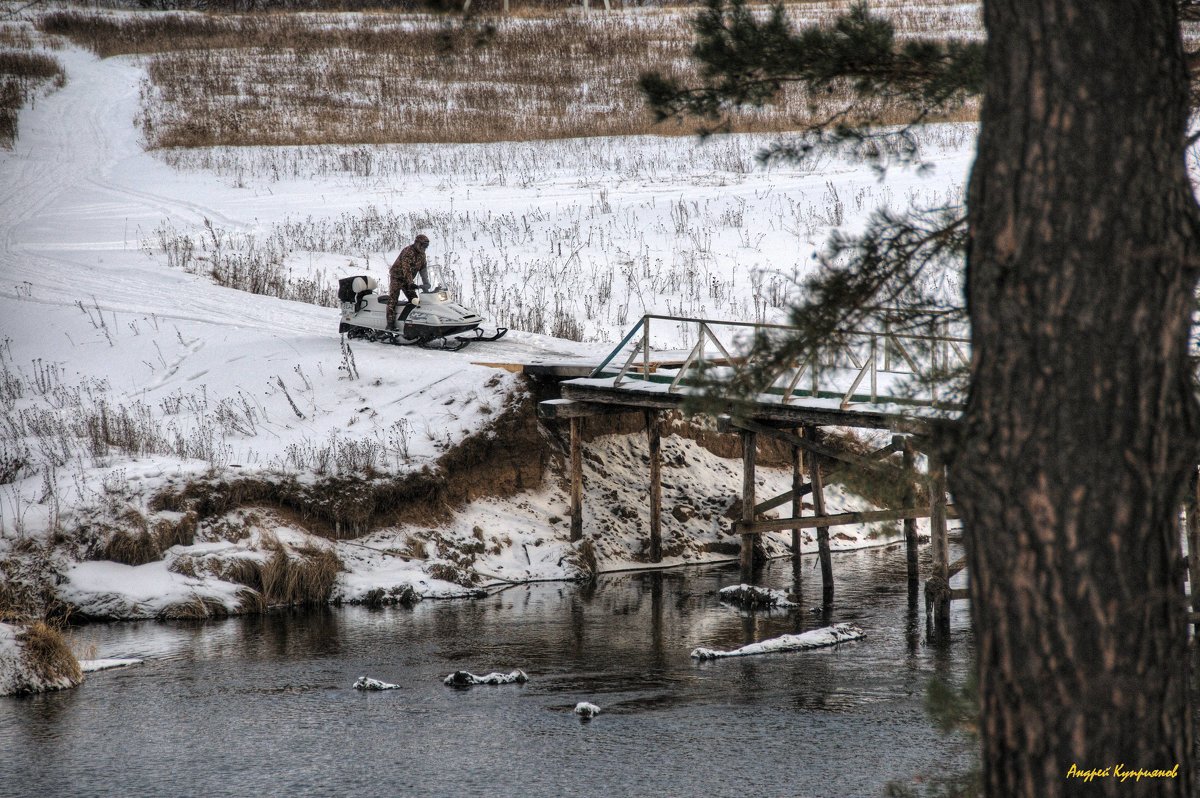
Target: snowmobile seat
[[355, 289]]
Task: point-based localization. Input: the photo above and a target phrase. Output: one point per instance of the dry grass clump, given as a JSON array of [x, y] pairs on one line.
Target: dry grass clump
[[290, 79], [251, 602], [48, 654], [17, 35], [131, 547], [26, 584], [290, 576], [194, 609], [448, 572], [22, 74], [303, 576], [29, 67], [136, 543], [584, 560], [301, 580], [415, 548]]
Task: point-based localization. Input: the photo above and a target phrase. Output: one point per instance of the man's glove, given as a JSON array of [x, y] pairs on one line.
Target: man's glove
[[416, 301]]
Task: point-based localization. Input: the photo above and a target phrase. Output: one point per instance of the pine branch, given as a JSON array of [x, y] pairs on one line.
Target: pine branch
[[745, 62], [888, 273]]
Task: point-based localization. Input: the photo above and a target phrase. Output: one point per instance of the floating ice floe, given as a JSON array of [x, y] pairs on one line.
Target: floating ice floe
[[752, 597], [465, 679], [93, 665], [817, 638], [586, 711], [367, 683]]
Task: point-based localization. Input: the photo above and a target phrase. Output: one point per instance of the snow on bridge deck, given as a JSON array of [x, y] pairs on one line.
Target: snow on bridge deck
[[873, 378]]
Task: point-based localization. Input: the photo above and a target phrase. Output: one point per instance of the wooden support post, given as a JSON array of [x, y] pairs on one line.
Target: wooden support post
[[910, 524], [797, 506], [749, 453], [818, 494], [654, 439], [1193, 537], [937, 588], [576, 479]]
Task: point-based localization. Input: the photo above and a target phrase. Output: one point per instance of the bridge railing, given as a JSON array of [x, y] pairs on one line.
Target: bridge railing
[[852, 366]]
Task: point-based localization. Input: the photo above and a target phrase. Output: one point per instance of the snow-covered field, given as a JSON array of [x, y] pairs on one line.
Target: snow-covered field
[[124, 369]]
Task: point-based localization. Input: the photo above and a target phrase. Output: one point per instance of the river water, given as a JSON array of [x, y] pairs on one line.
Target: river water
[[264, 705]]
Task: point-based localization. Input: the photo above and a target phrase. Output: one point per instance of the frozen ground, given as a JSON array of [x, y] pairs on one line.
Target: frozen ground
[[124, 367]]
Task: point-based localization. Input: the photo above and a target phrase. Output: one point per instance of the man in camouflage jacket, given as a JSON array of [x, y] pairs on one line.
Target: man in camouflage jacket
[[409, 263]]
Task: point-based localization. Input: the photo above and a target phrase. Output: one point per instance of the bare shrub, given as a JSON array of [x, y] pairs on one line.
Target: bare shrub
[[10, 104], [339, 455]]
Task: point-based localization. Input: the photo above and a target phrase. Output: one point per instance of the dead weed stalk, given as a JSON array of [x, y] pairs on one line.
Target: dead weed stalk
[[295, 79]]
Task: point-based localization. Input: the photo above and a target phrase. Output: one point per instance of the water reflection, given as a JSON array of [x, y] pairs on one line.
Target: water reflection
[[279, 686]]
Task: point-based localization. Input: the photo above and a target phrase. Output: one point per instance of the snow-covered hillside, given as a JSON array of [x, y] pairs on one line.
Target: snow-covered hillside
[[125, 372]]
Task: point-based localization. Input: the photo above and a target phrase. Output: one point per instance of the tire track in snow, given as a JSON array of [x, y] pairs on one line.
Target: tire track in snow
[[81, 136], [167, 206], [76, 137]]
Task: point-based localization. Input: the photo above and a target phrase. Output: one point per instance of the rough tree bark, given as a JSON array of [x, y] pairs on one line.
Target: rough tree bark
[[1081, 423]]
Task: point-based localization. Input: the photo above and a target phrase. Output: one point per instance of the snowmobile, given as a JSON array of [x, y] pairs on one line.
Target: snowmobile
[[435, 321]]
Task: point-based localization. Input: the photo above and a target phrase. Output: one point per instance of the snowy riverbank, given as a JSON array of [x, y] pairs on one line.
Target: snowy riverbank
[[175, 448]]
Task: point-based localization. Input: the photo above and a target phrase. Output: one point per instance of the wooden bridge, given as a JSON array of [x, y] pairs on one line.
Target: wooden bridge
[[873, 378]]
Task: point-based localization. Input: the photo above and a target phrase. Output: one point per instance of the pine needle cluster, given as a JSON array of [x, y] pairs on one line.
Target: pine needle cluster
[[895, 271]]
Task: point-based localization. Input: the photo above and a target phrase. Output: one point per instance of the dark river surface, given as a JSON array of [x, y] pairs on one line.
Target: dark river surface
[[263, 706]]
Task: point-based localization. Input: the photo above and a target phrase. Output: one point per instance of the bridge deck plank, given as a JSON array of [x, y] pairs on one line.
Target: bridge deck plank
[[796, 413]]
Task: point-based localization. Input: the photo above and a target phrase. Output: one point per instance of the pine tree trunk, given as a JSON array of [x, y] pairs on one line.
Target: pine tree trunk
[[1081, 424]]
